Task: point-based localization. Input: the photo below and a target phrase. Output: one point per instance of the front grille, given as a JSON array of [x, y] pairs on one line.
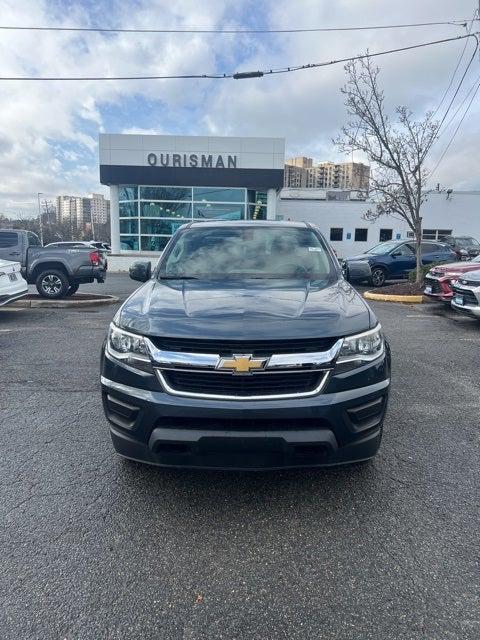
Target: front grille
[[257, 384], [255, 347], [471, 283], [435, 284], [468, 296]]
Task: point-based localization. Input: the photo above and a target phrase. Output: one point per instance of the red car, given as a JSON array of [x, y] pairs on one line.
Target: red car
[[438, 281]]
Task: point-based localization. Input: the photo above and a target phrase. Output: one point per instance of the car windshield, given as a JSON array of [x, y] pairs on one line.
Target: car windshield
[[382, 248], [248, 252], [467, 242]]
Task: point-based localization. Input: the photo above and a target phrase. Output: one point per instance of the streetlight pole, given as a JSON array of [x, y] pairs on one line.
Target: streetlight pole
[[40, 217]]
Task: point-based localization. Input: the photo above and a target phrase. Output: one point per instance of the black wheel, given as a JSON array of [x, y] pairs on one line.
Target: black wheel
[[73, 288], [378, 277], [52, 283]]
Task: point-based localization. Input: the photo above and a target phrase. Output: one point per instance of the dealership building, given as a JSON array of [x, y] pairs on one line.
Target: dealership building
[[157, 183]]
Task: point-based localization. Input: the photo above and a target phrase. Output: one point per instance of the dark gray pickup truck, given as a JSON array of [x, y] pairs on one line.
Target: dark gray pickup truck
[[55, 271]]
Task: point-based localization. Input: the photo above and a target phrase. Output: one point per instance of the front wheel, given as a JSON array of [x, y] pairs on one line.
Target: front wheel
[[52, 283], [378, 277]]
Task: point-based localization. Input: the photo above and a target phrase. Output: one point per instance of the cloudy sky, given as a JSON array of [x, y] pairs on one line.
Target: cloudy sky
[[49, 130]]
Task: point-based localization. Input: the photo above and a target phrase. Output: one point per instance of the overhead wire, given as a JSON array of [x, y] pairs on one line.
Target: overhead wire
[[455, 23], [239, 75], [456, 131], [456, 67]]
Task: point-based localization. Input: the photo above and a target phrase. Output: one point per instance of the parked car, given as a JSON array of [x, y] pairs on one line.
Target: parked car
[[465, 247], [102, 245], [438, 281], [356, 270], [396, 258], [12, 285], [466, 294], [245, 349], [55, 271]]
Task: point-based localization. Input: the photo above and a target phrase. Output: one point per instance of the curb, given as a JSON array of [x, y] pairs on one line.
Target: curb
[[64, 304], [385, 297]]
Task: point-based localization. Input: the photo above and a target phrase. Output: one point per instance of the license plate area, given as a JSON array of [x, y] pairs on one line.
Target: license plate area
[[428, 289], [458, 299], [13, 277]]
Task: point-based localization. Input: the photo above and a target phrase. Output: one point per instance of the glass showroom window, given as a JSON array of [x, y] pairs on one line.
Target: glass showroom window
[[129, 226], [154, 243], [218, 194], [128, 209], [127, 192], [218, 211], [160, 227], [166, 193], [166, 210], [129, 243]]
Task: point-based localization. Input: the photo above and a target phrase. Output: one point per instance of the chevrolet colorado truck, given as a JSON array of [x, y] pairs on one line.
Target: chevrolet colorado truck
[[55, 271], [245, 349]]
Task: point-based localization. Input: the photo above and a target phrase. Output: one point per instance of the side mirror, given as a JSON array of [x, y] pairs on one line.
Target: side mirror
[[396, 254], [141, 271]]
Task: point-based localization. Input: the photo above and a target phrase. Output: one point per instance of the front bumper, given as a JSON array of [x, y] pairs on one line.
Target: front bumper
[[16, 294], [341, 425], [441, 289]]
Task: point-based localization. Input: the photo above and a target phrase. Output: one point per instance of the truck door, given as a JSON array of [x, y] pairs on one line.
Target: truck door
[[10, 247]]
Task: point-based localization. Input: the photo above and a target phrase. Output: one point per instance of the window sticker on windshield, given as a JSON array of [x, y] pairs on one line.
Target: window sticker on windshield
[[315, 249]]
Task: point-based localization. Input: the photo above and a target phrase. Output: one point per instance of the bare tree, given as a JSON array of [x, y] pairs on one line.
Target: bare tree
[[397, 150]]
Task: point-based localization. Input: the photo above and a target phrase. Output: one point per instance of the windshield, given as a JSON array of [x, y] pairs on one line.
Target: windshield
[[382, 248], [247, 252], [467, 242]]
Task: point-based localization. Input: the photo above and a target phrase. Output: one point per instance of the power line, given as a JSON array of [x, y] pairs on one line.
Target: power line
[[456, 67], [244, 74], [461, 80], [455, 23], [465, 98], [456, 131]]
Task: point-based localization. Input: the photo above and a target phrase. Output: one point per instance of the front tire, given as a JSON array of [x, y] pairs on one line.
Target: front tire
[[52, 284], [378, 277]]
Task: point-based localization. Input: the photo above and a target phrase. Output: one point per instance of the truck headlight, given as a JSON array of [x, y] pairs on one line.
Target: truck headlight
[[128, 348], [362, 347]]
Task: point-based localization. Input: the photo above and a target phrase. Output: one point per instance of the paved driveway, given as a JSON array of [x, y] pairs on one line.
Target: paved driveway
[[93, 547]]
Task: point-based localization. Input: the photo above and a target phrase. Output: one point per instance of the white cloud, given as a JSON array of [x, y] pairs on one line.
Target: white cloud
[[48, 131]]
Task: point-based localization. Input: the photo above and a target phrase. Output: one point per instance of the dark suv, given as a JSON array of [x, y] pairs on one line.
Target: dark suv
[[396, 258], [465, 247], [247, 349]]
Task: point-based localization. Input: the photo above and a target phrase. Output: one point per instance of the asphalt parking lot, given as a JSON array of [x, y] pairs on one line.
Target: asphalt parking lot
[[93, 547]]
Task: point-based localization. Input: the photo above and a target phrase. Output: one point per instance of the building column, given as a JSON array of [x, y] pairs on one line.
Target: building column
[[271, 204], [114, 219]]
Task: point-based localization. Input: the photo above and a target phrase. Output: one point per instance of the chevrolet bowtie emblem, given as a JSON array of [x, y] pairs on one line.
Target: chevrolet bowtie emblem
[[241, 363]]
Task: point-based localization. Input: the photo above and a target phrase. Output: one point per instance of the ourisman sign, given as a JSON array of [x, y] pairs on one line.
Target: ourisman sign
[[192, 160]]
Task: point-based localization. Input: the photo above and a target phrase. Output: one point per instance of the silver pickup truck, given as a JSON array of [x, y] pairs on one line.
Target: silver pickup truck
[[55, 271]]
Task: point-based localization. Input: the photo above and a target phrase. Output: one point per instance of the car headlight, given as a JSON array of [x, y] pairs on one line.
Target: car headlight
[[362, 347], [128, 348]]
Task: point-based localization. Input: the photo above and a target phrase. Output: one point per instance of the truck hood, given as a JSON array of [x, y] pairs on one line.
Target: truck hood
[[261, 309]]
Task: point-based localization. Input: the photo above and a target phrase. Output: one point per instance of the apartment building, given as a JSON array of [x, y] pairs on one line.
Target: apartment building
[[302, 172], [78, 210], [99, 208]]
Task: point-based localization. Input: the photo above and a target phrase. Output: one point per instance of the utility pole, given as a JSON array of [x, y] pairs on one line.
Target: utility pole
[[40, 217]]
